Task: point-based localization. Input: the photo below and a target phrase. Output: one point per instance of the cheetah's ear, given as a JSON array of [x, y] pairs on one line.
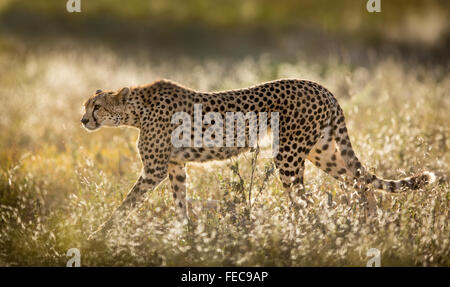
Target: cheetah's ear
[[123, 94]]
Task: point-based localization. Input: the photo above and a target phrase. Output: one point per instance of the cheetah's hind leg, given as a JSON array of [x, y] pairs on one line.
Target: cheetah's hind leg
[[327, 156], [291, 175]]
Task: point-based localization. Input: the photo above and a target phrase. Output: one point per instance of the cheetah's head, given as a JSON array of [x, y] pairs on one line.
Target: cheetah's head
[[105, 109]]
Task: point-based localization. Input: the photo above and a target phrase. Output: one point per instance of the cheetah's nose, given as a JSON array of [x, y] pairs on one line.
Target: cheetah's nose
[[84, 121]]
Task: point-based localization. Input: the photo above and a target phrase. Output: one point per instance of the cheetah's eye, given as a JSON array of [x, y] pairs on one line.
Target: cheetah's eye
[[96, 107]]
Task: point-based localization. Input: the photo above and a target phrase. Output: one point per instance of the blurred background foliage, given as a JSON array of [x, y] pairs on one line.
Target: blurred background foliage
[[345, 15], [202, 27]]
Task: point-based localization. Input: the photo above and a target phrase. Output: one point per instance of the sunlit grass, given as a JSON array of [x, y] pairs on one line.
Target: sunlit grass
[[59, 182]]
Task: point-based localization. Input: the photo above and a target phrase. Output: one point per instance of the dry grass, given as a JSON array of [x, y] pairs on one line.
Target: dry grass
[[58, 182]]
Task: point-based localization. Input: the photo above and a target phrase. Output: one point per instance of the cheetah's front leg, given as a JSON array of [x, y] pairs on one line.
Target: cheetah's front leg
[[177, 176], [155, 163], [133, 199]]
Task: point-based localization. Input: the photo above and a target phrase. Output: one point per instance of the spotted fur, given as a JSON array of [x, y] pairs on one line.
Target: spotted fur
[[311, 126]]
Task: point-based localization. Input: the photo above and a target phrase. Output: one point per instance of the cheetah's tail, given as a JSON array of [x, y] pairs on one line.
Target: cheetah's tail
[[358, 170], [414, 182]]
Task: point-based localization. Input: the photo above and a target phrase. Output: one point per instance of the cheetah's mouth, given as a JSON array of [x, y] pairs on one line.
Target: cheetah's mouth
[[93, 128], [96, 124]]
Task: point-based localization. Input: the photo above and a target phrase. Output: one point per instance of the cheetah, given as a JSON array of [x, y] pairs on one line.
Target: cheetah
[[311, 127]]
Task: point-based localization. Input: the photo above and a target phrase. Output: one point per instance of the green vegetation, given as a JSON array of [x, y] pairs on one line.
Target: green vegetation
[[59, 182]]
